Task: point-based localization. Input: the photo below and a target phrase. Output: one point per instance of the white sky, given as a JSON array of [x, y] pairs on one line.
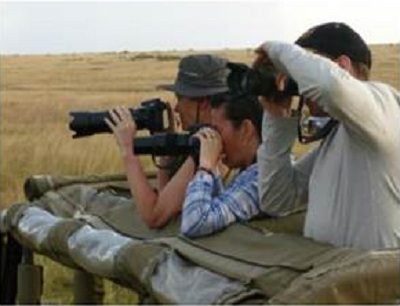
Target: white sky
[[31, 27]]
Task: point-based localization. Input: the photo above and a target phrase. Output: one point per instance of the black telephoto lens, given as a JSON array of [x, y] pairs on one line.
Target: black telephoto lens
[[150, 115]]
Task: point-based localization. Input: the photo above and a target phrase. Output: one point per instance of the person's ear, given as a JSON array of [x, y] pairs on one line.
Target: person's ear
[[247, 129], [345, 62]]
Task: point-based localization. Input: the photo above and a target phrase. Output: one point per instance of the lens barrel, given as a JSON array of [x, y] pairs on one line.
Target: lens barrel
[[150, 115], [168, 144]]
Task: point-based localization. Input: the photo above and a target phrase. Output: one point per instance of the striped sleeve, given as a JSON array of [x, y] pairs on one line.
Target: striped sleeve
[[207, 208]]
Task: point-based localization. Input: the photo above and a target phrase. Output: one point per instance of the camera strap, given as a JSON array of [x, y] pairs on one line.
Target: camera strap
[[319, 134]]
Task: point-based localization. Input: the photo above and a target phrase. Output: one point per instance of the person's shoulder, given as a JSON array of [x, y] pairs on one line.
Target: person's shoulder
[[384, 90]]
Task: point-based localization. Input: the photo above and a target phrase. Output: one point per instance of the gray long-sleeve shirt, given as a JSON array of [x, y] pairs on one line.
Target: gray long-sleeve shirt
[[353, 177]]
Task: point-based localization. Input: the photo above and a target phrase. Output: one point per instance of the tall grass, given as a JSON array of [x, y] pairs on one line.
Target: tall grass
[[38, 92]]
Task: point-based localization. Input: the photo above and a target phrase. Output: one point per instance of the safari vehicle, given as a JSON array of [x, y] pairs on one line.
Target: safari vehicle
[[264, 261]]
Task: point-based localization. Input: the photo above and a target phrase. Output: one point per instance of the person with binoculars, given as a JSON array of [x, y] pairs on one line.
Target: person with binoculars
[[236, 136], [352, 179], [199, 87]]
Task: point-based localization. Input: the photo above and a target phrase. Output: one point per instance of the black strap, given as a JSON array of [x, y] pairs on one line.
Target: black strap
[[11, 257], [2, 265], [319, 134]]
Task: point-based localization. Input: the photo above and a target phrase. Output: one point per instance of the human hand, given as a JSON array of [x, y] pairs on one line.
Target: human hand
[[262, 58], [277, 103], [123, 127], [210, 147]]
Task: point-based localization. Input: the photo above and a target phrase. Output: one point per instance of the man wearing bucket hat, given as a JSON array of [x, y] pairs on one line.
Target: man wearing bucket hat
[[199, 78], [352, 179]]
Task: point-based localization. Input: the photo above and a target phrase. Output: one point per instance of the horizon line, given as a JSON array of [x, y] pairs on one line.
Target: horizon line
[[152, 50]]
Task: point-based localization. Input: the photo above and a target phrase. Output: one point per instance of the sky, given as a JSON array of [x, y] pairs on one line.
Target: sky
[[52, 27]]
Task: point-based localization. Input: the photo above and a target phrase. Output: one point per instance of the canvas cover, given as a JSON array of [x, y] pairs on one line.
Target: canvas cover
[[94, 226]]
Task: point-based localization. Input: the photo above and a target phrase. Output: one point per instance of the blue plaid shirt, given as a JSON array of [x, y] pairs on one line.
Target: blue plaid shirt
[[209, 207]]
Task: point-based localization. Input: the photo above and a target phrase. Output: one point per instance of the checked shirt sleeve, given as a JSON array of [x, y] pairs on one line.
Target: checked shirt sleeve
[[208, 208]]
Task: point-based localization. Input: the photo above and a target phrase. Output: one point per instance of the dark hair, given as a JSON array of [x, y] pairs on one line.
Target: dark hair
[[335, 39], [239, 107]]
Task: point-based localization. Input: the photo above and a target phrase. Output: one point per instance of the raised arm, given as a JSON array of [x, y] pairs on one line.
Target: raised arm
[[155, 208], [344, 97], [281, 182]]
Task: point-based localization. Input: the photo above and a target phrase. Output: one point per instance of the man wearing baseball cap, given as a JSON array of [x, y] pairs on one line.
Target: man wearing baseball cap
[[199, 78], [352, 179]]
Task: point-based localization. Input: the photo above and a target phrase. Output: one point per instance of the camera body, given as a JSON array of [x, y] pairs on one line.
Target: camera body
[[260, 81], [150, 115]]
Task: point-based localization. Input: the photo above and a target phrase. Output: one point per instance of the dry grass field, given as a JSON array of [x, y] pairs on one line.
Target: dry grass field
[[38, 92]]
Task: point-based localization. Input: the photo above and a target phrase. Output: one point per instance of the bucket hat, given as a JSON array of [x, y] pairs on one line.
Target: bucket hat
[[200, 75]]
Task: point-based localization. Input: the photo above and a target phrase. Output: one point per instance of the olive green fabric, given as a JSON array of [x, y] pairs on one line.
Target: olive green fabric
[[36, 185], [243, 243], [291, 224], [30, 284], [55, 246], [275, 267], [153, 262], [118, 212], [369, 278], [169, 278]]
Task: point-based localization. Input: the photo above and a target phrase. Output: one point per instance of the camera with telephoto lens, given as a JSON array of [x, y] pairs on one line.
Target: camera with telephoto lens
[[151, 115], [260, 81]]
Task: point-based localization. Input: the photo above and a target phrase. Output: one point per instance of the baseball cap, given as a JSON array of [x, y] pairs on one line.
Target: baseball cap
[[200, 75], [335, 39]]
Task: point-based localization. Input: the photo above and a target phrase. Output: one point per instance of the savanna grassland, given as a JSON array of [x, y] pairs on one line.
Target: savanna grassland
[[38, 92]]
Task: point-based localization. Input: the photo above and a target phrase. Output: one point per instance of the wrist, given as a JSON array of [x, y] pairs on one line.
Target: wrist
[[129, 156], [207, 164], [206, 169]]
